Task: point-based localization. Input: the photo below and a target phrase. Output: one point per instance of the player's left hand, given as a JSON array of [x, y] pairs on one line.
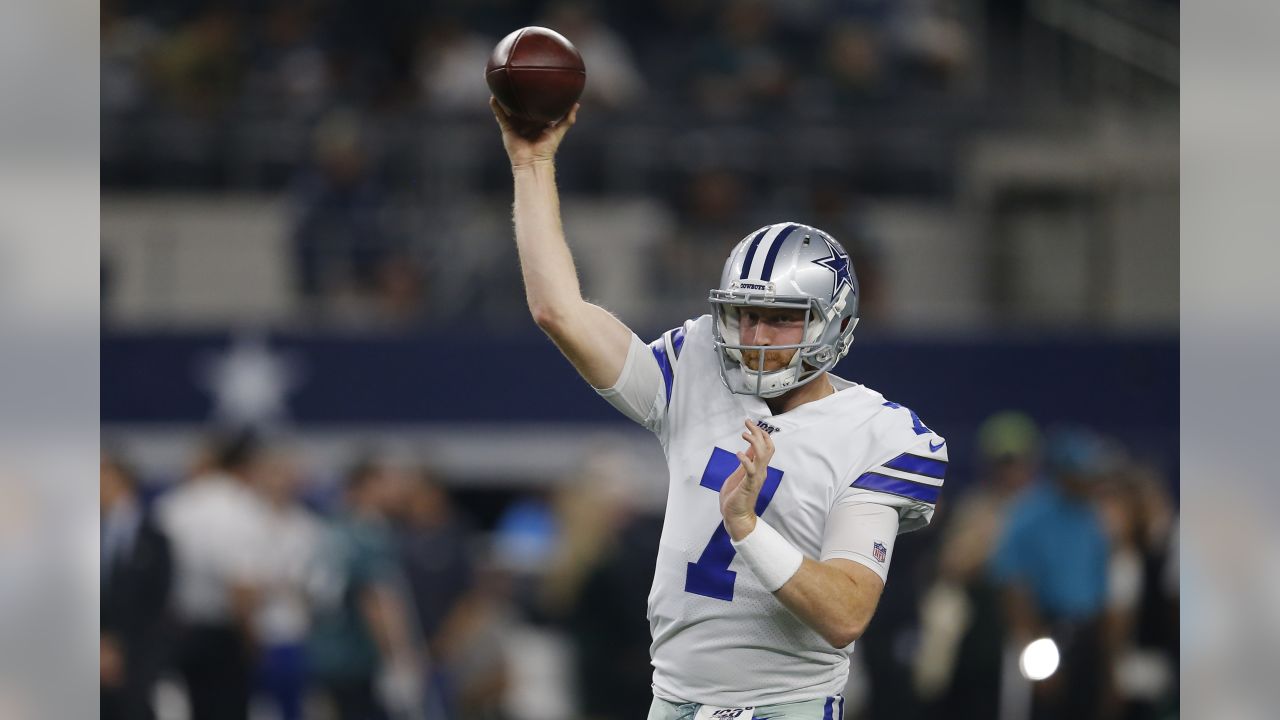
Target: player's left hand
[[527, 143], [742, 488]]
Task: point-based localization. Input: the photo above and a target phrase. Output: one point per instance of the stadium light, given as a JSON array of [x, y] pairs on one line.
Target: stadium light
[[1039, 660]]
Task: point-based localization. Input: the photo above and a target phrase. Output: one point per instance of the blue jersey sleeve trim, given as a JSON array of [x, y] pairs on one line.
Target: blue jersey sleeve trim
[[673, 340], [659, 348], [928, 467], [898, 486]]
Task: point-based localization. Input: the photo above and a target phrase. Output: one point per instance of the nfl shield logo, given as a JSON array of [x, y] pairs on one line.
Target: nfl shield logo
[[878, 551]]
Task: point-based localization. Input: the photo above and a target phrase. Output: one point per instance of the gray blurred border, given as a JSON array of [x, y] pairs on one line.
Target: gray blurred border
[[1230, 574], [48, 359]]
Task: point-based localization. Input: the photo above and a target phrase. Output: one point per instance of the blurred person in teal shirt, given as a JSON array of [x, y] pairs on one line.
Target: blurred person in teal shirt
[[958, 663], [362, 650], [1052, 562]]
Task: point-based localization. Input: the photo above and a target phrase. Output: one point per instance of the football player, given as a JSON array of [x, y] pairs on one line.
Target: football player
[[787, 484]]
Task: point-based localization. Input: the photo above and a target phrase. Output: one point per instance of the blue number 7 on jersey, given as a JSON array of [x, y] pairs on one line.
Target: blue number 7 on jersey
[[711, 576]]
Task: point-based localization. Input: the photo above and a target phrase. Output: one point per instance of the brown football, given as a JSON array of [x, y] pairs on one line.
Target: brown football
[[536, 74]]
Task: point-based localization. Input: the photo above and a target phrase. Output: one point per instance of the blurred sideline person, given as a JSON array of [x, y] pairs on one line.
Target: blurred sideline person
[[745, 611], [292, 536], [433, 542], [597, 585], [217, 525], [1052, 562], [136, 573], [472, 645], [361, 646], [1139, 518], [958, 665]]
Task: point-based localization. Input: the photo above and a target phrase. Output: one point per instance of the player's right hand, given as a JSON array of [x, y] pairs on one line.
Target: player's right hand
[[527, 143], [741, 489]]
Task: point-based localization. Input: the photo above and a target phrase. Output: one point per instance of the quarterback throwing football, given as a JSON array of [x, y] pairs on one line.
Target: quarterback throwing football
[[787, 484]]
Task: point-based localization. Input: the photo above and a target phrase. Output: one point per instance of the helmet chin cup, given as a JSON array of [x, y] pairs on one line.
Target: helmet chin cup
[[773, 382], [761, 384]]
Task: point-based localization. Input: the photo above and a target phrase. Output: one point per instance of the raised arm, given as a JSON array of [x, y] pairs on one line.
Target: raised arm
[[594, 340]]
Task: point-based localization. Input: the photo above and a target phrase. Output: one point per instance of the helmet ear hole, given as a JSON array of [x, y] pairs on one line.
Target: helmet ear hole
[[844, 324]]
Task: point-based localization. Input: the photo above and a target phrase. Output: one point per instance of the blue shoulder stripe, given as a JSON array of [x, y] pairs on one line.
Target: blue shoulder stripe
[[677, 340], [659, 348], [897, 486], [826, 709], [928, 467]]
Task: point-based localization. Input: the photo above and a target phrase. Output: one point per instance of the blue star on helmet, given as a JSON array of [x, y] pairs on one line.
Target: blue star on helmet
[[838, 263]]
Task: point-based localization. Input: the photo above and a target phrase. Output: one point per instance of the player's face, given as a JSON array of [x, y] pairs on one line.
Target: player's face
[[770, 326]]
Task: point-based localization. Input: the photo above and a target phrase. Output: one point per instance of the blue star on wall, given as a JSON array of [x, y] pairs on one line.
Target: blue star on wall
[[838, 263]]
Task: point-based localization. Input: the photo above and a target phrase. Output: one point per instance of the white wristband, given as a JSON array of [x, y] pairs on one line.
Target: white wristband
[[769, 555]]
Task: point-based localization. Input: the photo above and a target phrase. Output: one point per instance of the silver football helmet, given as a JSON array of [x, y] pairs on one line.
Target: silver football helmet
[[787, 265]]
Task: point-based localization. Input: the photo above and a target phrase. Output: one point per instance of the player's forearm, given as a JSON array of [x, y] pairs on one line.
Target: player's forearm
[[550, 279], [835, 605], [592, 339]]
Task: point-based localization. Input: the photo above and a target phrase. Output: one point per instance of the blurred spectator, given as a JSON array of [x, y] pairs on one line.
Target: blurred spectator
[[434, 544], [853, 61], [126, 43], [292, 536], [834, 206], [201, 67], [741, 67], [525, 539], [136, 571], [217, 525], [400, 288], [472, 646], [289, 71], [361, 650], [614, 81], [958, 665], [934, 45], [347, 260], [1052, 562], [450, 56], [598, 586], [1139, 521], [716, 214]]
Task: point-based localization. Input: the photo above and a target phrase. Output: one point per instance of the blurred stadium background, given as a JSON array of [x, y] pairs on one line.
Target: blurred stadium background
[[315, 346]]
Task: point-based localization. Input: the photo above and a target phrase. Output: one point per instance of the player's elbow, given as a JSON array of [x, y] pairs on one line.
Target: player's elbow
[[840, 637], [559, 319], [547, 317], [841, 634]]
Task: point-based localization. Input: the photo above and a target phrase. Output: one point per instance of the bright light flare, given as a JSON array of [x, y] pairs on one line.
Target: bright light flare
[[1039, 660]]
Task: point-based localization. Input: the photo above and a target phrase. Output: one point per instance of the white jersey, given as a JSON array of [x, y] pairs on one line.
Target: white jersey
[[720, 638]]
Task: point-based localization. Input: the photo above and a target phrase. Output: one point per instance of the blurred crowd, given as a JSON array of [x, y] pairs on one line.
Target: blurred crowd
[[372, 118], [210, 58], [332, 101], [247, 589], [1063, 537]]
